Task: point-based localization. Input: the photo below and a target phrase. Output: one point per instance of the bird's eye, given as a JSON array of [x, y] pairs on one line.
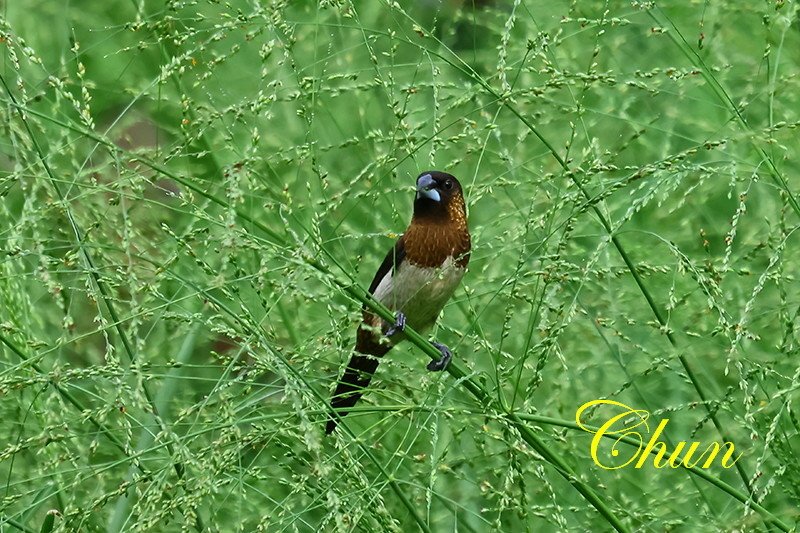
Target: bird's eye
[[448, 184]]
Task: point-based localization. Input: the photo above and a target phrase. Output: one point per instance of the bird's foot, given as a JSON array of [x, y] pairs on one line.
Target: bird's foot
[[399, 325], [441, 363]]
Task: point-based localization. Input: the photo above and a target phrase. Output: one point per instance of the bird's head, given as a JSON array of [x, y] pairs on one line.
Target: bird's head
[[439, 198]]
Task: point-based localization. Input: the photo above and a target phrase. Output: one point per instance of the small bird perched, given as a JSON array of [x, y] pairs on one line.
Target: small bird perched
[[417, 277]]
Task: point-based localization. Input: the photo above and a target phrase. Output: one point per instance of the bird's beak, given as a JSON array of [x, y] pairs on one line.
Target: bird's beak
[[426, 188]]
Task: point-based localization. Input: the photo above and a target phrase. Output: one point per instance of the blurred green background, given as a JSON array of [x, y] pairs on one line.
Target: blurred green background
[[190, 188]]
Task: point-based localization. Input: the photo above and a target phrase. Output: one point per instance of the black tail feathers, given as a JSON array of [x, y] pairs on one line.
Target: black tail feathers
[[350, 388]]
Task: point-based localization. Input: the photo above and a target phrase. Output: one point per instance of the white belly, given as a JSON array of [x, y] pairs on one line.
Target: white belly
[[418, 292]]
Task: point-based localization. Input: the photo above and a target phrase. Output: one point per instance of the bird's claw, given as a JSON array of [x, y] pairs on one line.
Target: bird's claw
[[399, 325], [440, 364]]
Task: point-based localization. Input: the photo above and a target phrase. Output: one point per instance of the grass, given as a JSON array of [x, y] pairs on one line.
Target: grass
[[196, 194]]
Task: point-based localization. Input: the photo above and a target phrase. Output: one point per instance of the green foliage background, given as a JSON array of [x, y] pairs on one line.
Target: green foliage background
[[196, 193]]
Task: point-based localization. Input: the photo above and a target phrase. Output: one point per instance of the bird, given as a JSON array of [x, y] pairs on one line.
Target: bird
[[415, 280]]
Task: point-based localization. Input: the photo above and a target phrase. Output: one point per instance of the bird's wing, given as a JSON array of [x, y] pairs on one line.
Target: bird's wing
[[364, 360], [390, 263]]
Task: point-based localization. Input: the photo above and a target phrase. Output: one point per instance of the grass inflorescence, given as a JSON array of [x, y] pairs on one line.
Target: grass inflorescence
[[195, 196]]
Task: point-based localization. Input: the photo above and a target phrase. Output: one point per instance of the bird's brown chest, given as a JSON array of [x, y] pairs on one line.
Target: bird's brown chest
[[436, 257], [430, 245]]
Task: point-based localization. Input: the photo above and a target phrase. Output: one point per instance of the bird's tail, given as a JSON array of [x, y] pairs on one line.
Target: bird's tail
[[357, 376]]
